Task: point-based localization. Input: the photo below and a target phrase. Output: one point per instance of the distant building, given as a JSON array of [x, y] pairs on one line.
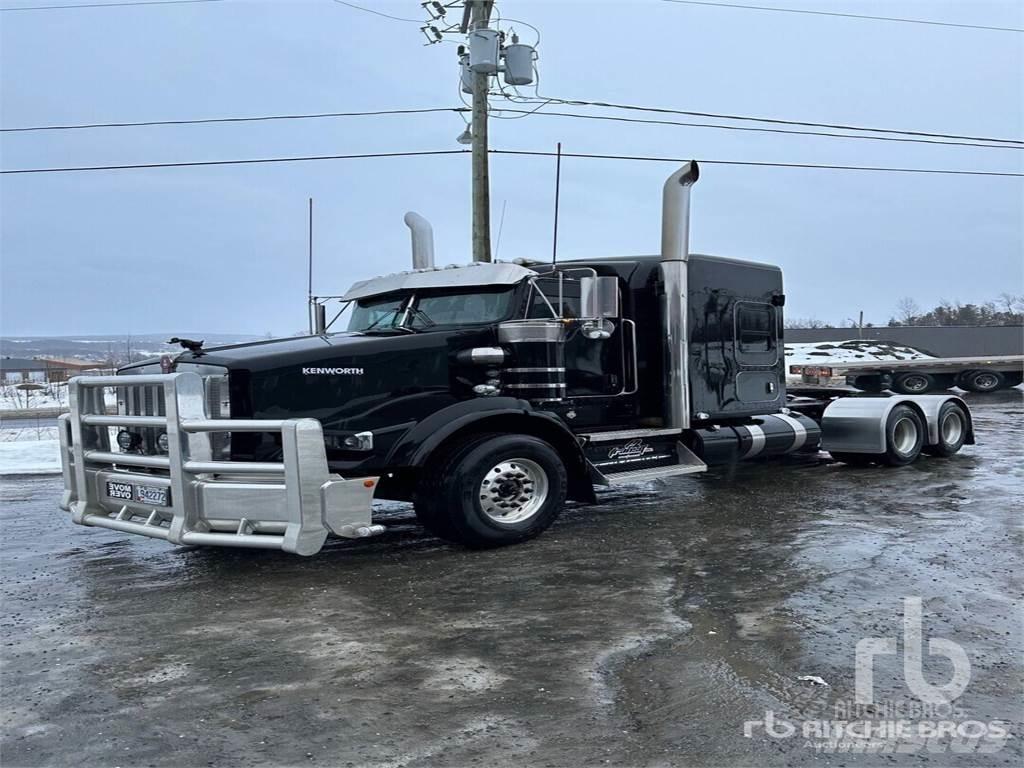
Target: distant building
[[15, 370]]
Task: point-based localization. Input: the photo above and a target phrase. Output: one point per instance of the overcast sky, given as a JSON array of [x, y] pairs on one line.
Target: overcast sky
[[224, 248]]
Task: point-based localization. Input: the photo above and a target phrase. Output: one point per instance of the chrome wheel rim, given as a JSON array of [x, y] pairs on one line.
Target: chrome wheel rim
[[904, 436], [952, 427], [513, 490], [915, 383], [985, 381]]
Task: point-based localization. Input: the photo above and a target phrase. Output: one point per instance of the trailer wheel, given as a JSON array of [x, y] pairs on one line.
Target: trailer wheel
[[913, 383], [981, 381], [1012, 379], [493, 491], [904, 436], [952, 431]]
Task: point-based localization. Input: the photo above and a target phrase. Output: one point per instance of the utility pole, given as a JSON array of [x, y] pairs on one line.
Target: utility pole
[[480, 14]]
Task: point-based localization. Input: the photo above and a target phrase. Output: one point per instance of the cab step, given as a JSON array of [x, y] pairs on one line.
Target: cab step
[[630, 434], [636, 456], [654, 473]]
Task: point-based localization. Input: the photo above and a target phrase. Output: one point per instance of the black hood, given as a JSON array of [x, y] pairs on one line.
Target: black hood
[[331, 350]]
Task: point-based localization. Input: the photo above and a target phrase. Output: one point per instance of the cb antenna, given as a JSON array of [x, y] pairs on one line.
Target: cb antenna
[[558, 185], [309, 290]]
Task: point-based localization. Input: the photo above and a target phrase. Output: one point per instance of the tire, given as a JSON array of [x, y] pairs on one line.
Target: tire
[[904, 436], [913, 383], [952, 431], [427, 499], [493, 490], [981, 381], [855, 459]]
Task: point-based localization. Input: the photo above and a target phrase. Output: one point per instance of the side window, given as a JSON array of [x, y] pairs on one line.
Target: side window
[[538, 308], [756, 333]]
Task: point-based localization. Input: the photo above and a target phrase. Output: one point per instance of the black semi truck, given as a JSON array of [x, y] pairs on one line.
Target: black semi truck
[[487, 395]]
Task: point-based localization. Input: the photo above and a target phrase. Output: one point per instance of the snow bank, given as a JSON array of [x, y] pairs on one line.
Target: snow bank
[[853, 351], [30, 457]]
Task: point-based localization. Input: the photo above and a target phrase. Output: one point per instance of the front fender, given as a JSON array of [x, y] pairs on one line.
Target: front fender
[[422, 440]]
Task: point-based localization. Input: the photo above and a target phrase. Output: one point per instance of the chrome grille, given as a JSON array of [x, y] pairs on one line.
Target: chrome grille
[[148, 400]]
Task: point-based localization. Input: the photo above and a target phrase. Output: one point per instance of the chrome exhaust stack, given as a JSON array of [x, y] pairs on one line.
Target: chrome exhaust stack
[[675, 253], [422, 240]]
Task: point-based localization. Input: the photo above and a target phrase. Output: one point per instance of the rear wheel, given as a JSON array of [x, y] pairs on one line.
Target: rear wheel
[[494, 490], [904, 436], [952, 431], [913, 383], [904, 439], [981, 381]]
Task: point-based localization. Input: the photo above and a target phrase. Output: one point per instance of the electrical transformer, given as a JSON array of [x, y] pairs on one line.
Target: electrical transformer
[[483, 51], [466, 75], [519, 64]]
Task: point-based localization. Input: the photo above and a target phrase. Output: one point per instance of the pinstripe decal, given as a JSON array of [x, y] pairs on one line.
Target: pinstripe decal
[[756, 441], [799, 431]]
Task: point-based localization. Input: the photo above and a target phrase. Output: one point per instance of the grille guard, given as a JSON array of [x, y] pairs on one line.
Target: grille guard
[[291, 505]]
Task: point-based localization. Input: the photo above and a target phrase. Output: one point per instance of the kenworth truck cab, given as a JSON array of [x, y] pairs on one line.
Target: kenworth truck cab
[[486, 395]]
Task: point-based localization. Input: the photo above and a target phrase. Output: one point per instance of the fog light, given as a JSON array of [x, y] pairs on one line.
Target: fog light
[[360, 441], [162, 442], [128, 441]]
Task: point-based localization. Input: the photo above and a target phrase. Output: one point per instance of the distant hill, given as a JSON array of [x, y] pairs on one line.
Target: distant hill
[[116, 349]]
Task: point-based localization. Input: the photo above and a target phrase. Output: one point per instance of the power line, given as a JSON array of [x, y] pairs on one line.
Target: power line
[[106, 5], [208, 120], [706, 161], [378, 13], [254, 161], [635, 158], [846, 15], [759, 130], [749, 118]]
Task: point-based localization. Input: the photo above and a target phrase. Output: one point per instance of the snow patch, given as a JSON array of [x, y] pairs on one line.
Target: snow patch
[[30, 457]]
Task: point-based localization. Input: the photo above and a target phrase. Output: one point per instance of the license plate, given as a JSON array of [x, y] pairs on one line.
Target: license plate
[[150, 495]]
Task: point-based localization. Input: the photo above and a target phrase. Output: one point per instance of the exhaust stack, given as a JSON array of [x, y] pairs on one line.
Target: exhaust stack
[[675, 253], [422, 240]]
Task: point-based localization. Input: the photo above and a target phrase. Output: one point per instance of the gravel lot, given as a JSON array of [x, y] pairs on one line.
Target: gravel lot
[[644, 631]]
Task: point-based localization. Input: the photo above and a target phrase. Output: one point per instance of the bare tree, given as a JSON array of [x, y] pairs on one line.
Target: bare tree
[[805, 322], [907, 311], [1011, 303]]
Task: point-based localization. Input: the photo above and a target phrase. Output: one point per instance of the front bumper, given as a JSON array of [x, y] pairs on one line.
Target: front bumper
[[291, 505]]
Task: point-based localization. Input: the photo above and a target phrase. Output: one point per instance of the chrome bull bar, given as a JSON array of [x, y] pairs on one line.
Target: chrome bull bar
[[291, 505]]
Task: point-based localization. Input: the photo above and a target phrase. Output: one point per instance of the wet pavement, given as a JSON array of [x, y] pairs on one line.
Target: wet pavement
[[644, 631]]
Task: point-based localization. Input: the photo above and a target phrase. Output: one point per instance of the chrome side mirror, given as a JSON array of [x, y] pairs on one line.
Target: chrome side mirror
[[599, 298]]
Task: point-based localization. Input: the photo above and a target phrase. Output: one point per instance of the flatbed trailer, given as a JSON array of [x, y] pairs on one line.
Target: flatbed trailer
[[917, 376]]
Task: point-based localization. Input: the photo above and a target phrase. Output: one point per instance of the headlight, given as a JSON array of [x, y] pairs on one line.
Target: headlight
[[128, 441]]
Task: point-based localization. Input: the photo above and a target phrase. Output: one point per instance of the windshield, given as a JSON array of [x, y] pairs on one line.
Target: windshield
[[376, 313], [421, 310]]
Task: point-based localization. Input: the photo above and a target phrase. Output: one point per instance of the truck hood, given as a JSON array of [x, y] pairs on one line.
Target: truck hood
[[335, 350]]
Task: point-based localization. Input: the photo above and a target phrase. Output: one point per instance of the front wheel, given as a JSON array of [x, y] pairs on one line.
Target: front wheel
[[493, 491]]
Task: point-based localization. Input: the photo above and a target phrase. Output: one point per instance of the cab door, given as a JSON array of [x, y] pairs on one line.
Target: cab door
[[594, 367]]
